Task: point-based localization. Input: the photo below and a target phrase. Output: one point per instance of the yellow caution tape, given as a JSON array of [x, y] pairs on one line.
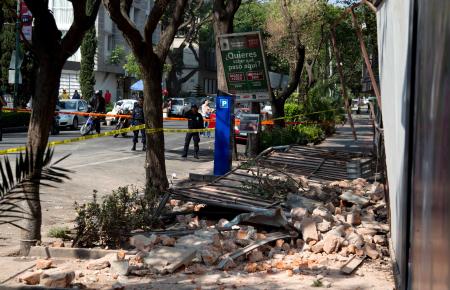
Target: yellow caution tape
[[168, 130], [105, 134]]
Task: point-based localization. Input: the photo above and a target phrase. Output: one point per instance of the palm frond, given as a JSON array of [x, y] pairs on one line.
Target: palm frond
[[13, 183]]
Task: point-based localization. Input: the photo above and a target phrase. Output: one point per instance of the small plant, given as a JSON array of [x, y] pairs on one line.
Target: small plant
[[59, 232], [108, 223], [317, 283]]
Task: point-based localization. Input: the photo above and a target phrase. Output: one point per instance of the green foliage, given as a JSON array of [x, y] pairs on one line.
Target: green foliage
[[293, 112], [107, 223], [15, 119], [7, 43], [317, 283], [59, 233], [117, 55], [131, 67], [87, 75], [300, 134]]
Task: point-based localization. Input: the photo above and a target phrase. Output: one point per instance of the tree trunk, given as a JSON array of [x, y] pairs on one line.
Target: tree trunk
[[278, 111], [253, 142], [221, 26], [44, 103], [156, 175]]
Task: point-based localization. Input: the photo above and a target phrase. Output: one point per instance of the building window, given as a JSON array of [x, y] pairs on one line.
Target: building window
[[209, 86]]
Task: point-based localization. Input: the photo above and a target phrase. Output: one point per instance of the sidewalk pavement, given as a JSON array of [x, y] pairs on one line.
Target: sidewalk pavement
[[343, 138]]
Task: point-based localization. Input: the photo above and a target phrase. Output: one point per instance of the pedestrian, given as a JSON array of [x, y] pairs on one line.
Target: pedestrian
[[195, 121], [76, 95], [65, 95], [137, 118], [205, 111], [2, 104], [107, 97], [98, 106]]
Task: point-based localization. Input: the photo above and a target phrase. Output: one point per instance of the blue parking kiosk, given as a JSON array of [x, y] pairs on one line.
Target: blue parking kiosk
[[223, 134]]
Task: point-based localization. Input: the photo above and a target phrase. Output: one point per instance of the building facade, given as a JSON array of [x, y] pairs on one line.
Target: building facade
[[108, 76]]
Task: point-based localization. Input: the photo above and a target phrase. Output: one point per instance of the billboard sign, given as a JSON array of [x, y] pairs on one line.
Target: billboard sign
[[26, 20], [245, 66]]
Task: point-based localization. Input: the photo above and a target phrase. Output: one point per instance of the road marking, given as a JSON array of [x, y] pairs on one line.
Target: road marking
[[126, 158]]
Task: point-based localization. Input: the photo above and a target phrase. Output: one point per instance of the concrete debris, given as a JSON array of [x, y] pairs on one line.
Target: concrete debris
[[167, 241], [298, 213], [168, 259], [324, 226], [210, 256], [30, 278], [255, 256], [193, 241], [371, 251], [353, 198], [309, 230], [98, 264], [380, 240], [43, 264], [331, 243], [352, 264], [346, 226], [143, 243], [354, 218], [57, 279], [295, 200], [120, 267]]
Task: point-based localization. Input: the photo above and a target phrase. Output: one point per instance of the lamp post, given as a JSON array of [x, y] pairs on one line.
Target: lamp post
[[17, 51]]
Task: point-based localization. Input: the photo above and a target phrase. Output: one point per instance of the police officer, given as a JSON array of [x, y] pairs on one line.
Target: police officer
[[137, 118], [98, 106], [195, 121]]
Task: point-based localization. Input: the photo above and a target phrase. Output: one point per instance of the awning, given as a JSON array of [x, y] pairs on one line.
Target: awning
[[138, 86]]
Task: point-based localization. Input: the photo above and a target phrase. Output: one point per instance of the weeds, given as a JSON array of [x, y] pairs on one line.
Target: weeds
[[59, 232]]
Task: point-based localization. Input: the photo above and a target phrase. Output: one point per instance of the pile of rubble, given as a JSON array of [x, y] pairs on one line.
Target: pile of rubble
[[324, 227]]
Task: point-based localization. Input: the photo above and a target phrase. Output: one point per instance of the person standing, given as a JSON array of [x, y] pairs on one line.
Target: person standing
[[98, 106], [65, 95], [107, 97], [205, 110], [137, 118], [76, 95], [195, 121]]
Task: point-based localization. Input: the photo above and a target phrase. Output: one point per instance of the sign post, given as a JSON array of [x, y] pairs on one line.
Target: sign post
[[223, 135]]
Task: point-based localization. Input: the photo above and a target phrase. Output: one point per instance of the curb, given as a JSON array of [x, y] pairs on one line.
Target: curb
[[15, 129], [74, 253]]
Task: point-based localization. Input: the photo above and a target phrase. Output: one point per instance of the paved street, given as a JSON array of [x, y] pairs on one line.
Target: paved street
[[106, 163]]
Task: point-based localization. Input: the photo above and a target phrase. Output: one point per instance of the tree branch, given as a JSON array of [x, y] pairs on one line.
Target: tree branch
[[166, 40], [154, 18]]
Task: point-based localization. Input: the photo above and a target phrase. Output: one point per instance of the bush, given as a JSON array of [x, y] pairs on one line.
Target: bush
[[292, 112], [108, 223], [300, 134], [15, 119]]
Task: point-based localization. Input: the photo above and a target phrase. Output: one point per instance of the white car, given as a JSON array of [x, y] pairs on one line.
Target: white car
[[70, 120], [122, 104]]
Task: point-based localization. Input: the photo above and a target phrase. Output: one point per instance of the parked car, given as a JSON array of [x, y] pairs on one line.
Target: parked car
[[69, 120], [355, 106], [126, 104], [181, 105]]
